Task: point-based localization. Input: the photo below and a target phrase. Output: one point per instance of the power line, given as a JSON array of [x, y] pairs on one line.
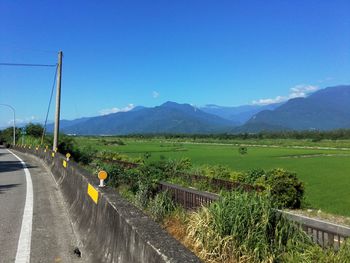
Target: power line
[[48, 108], [27, 65]]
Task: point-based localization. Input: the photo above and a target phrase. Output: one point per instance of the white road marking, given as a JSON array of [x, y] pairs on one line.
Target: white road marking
[[25, 237]]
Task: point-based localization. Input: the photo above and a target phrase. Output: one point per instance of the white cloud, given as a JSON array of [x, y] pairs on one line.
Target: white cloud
[[155, 94], [115, 109], [269, 101], [297, 91], [23, 121], [301, 90]]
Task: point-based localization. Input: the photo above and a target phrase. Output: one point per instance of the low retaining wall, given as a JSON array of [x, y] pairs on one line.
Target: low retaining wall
[[110, 228]]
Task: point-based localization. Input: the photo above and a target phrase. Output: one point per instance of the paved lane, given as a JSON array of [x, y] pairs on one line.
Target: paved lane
[[12, 198], [53, 238]]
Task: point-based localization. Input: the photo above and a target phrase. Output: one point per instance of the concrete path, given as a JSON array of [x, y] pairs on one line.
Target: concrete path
[[42, 232]]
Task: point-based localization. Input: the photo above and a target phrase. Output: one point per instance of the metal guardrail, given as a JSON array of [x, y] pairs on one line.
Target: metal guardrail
[[321, 232], [187, 197]]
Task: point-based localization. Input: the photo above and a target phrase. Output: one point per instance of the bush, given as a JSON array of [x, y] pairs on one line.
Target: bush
[[175, 167], [161, 206], [243, 150], [115, 173], [287, 191], [84, 155], [215, 171], [252, 176], [143, 194]]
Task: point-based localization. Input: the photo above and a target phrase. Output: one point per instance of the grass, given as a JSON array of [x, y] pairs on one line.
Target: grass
[[243, 227], [325, 172]]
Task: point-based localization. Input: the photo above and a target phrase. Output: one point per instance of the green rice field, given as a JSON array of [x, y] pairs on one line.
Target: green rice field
[[325, 172]]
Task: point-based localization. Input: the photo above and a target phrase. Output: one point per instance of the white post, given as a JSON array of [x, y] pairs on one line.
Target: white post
[[102, 183]]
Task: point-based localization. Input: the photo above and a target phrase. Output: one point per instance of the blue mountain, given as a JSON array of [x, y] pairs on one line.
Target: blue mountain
[[325, 109], [169, 117], [239, 114]]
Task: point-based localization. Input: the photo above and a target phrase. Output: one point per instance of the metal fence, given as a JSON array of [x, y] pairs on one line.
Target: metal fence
[[323, 233], [187, 197]]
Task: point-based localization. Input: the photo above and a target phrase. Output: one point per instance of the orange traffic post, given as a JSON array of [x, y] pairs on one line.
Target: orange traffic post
[[102, 175]]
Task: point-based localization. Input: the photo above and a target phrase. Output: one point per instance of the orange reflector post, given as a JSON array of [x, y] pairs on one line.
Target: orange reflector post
[[102, 175]]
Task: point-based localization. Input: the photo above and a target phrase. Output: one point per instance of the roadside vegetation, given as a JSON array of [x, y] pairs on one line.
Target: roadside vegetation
[[323, 171], [240, 227]]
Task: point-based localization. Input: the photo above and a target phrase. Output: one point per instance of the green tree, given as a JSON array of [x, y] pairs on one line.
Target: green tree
[[6, 135], [35, 130], [243, 150]]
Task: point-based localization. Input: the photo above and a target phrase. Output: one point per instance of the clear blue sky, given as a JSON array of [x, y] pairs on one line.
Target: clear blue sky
[[118, 53]]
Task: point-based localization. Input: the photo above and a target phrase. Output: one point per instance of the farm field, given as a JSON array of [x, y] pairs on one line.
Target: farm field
[[325, 172]]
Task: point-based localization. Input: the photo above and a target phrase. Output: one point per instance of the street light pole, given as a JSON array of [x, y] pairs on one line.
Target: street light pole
[[14, 122]]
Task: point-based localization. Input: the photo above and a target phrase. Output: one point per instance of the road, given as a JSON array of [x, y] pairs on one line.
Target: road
[[34, 224]]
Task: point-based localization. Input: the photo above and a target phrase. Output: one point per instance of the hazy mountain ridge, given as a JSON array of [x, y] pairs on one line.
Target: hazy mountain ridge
[[169, 117], [238, 114], [325, 109]]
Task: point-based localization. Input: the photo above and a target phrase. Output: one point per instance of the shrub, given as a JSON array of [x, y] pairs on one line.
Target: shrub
[[66, 144], [115, 173], [153, 171], [161, 205], [84, 155], [215, 171], [143, 194], [252, 176], [243, 150], [287, 191], [174, 167]]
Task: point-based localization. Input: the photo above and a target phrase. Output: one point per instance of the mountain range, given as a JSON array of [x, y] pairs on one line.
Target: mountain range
[[324, 109]]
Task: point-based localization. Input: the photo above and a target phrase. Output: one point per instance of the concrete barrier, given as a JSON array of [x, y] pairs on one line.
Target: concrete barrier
[[110, 228]]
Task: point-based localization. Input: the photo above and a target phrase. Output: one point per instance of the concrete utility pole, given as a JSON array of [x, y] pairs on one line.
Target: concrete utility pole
[[58, 102]]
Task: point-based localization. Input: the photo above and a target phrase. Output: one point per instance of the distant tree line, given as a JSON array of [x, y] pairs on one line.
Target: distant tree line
[[31, 129], [314, 135]]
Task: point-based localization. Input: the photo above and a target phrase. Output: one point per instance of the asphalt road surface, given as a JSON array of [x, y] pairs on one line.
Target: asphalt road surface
[[34, 224]]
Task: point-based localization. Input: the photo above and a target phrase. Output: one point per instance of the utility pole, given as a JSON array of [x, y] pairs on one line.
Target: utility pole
[[58, 102]]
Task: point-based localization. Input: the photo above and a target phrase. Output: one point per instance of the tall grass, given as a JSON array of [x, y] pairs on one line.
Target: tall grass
[[243, 227]]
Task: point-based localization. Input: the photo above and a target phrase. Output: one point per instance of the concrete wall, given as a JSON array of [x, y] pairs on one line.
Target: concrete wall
[[111, 230]]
